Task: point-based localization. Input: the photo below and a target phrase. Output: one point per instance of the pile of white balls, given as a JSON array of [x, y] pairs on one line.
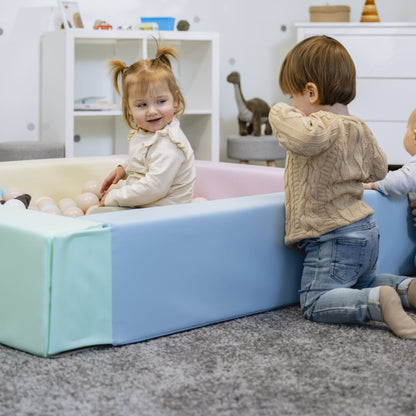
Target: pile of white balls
[[87, 200]]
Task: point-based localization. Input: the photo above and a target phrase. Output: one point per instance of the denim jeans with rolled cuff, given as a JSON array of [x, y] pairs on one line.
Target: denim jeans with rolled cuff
[[339, 280]]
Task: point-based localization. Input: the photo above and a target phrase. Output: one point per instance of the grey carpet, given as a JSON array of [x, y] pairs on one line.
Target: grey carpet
[[274, 363]]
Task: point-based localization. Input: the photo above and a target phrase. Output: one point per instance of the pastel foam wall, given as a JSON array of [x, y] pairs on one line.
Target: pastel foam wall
[[231, 180], [57, 178], [55, 282], [397, 233], [196, 264], [123, 277]]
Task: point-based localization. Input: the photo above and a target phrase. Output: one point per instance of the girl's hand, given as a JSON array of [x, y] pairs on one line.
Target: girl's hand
[[117, 174], [102, 201]]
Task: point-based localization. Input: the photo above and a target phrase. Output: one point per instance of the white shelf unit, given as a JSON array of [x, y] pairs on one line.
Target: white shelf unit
[[386, 76], [74, 65]]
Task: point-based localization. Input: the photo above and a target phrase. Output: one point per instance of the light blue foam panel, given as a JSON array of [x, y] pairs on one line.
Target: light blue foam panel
[[55, 282], [184, 266], [397, 234]]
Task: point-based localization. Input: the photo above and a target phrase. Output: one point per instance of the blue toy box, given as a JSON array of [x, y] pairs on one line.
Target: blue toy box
[[163, 23]]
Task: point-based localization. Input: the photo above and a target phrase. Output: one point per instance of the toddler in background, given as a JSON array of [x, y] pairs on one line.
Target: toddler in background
[[329, 155], [402, 181], [160, 167]]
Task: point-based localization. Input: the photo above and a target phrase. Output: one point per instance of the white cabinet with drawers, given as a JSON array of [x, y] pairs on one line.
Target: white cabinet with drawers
[[385, 59]]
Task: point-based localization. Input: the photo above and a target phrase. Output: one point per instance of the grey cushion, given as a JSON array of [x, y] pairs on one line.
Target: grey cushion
[[30, 150], [254, 148]]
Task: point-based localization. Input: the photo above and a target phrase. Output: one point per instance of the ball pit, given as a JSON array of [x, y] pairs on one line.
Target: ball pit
[[89, 198], [98, 280]]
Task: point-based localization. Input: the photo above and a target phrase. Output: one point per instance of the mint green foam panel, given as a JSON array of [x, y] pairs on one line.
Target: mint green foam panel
[[55, 282]]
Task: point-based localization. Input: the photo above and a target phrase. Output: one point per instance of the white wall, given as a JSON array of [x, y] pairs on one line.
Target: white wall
[[254, 38]]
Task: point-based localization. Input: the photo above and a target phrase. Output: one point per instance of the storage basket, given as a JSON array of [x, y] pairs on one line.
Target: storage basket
[[329, 13]]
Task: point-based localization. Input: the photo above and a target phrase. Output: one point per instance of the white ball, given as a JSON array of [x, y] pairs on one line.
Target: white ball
[[12, 193], [44, 201], [86, 200], [65, 203], [73, 211], [93, 187], [52, 210], [32, 206], [15, 203], [92, 207]]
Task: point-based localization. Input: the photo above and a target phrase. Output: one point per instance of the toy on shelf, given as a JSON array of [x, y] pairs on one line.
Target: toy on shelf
[[370, 13], [183, 25], [251, 113], [70, 15], [102, 25], [148, 26], [125, 27], [163, 23], [93, 104], [329, 13]]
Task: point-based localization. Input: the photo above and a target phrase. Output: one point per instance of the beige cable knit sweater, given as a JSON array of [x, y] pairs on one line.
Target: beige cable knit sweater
[[328, 158]]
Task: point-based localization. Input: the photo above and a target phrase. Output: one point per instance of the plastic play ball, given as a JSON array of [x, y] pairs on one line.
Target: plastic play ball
[[15, 203], [52, 210], [73, 211], [47, 204], [44, 201], [93, 187], [12, 193], [65, 203], [90, 209], [86, 200]]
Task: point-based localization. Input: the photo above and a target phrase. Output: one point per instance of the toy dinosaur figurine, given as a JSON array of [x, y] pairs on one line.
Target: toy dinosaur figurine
[[252, 113]]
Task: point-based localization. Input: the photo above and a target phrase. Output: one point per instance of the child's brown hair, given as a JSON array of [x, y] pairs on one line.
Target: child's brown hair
[[146, 72], [326, 63]]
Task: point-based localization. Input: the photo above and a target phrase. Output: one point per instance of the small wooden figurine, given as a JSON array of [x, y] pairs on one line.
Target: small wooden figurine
[[369, 13]]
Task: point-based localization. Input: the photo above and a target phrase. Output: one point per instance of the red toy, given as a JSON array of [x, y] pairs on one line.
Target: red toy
[[102, 25]]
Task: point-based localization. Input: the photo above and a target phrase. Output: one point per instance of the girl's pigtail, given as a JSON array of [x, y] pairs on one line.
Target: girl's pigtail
[[163, 54], [117, 69]]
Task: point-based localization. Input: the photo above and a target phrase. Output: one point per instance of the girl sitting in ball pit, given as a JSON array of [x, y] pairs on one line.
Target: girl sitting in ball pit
[[160, 168]]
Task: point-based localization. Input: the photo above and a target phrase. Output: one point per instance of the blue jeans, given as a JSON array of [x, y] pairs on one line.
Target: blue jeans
[[339, 280]]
